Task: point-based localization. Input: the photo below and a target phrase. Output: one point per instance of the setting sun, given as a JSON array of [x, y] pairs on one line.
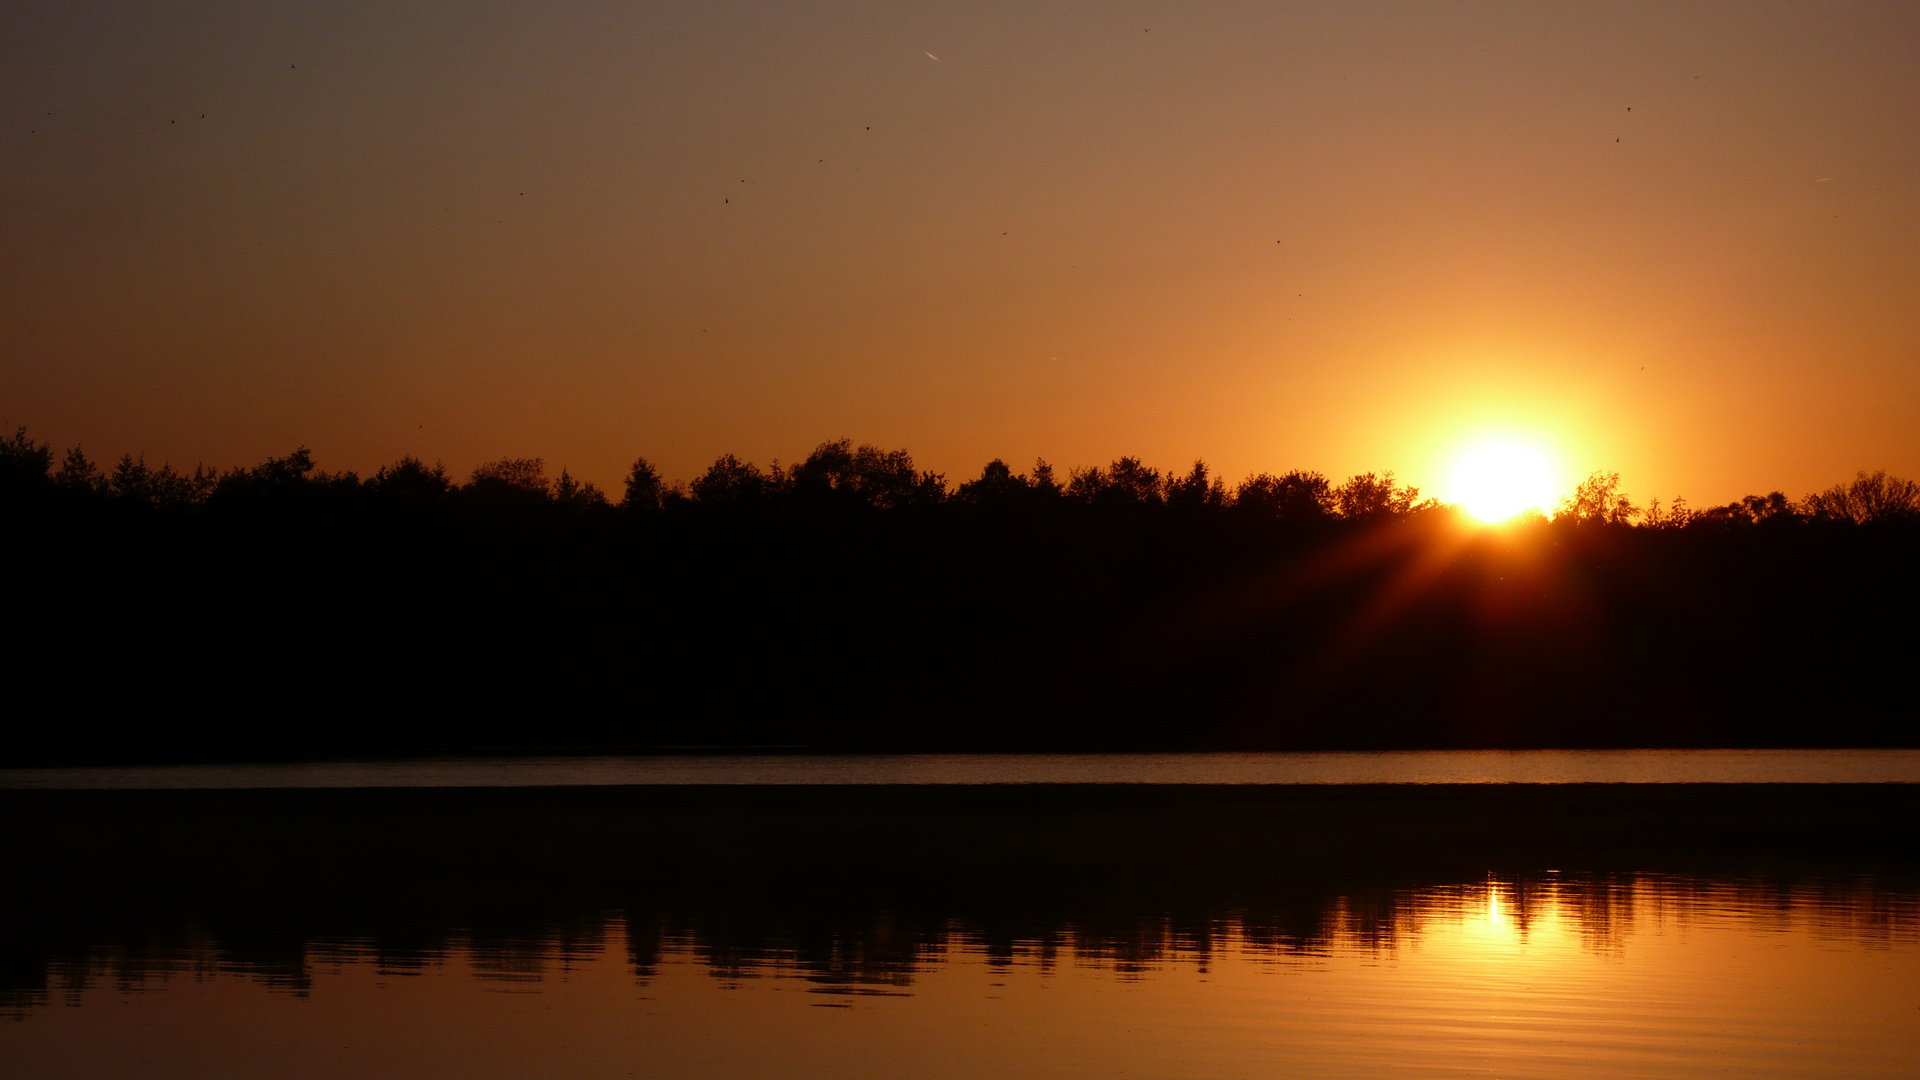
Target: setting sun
[[1496, 480]]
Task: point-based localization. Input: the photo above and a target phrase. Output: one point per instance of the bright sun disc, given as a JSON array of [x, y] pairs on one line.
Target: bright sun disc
[[1495, 481]]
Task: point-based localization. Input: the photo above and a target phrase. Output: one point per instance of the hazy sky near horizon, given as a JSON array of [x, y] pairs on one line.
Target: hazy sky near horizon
[[1677, 241]]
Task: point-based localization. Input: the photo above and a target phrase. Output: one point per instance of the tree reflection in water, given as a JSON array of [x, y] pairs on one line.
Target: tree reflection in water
[[1517, 930], [869, 888]]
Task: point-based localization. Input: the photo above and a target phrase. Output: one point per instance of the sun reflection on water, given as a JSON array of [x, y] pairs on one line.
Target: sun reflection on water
[[1547, 978]]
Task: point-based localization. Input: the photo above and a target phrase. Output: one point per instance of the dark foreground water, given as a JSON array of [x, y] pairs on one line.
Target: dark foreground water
[[861, 930]]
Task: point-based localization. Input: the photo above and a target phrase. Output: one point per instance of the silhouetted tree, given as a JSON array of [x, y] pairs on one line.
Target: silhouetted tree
[[1043, 483], [644, 488], [998, 486], [1000, 489], [1597, 501], [412, 481], [575, 495], [729, 482], [1674, 515], [279, 472], [1127, 482], [23, 463], [865, 474], [279, 482], [1365, 495], [521, 476], [1295, 497], [80, 476], [527, 474], [134, 482], [1870, 497], [1774, 508], [1195, 491]]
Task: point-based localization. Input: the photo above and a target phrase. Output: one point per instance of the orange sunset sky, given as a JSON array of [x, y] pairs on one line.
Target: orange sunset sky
[[1680, 241]]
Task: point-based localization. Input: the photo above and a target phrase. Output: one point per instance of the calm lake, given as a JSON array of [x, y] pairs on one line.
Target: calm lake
[[1437, 915]]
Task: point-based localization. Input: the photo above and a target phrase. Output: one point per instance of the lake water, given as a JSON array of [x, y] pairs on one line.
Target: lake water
[[870, 929], [1645, 978], [1900, 766]]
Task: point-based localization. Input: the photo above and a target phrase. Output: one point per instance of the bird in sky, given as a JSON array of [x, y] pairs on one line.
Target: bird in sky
[[934, 58]]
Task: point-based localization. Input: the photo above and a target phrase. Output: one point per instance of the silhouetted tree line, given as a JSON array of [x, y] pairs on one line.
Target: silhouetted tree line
[[843, 475], [853, 600]]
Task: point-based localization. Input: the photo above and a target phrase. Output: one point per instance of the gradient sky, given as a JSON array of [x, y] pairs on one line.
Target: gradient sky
[[1677, 241]]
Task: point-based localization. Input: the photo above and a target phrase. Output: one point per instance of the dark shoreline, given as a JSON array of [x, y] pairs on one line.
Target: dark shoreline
[[1298, 819]]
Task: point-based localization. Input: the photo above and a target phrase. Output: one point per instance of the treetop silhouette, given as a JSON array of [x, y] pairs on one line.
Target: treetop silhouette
[[839, 473]]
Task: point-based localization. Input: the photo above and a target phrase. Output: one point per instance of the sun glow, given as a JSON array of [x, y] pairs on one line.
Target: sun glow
[[1494, 481]]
